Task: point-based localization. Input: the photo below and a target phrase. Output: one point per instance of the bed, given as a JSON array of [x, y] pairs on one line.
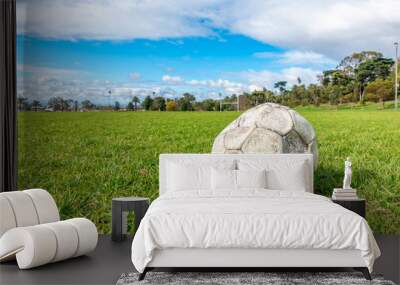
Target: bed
[[241, 210]]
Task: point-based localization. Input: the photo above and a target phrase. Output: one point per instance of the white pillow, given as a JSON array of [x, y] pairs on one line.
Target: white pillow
[[223, 179], [193, 174], [251, 178], [183, 177], [282, 175], [228, 179]]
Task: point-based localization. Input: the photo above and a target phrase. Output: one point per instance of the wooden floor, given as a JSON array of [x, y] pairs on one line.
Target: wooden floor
[[110, 260]]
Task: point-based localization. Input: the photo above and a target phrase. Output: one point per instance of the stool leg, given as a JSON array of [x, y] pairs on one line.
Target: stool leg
[[140, 211], [116, 222]]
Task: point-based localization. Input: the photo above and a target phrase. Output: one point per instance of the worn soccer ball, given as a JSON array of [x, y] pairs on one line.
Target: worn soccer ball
[[268, 128]]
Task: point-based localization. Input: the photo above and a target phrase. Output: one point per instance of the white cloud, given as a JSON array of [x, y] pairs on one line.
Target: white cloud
[[266, 78], [110, 20], [43, 71], [295, 57], [171, 79], [134, 75], [267, 54], [224, 85], [98, 91], [254, 87], [332, 28]]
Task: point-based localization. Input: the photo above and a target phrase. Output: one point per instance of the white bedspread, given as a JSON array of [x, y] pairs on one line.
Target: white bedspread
[[250, 219]]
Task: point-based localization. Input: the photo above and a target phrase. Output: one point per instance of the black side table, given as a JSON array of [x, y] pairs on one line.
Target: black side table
[[355, 205], [120, 209]]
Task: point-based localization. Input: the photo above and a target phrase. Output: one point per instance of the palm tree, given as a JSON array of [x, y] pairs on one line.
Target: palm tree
[[136, 101]]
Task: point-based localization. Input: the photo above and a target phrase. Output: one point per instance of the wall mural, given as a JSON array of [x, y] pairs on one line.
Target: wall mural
[[104, 87]]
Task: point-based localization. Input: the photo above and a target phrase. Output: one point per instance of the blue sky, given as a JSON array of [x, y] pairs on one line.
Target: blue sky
[[192, 58], [81, 49]]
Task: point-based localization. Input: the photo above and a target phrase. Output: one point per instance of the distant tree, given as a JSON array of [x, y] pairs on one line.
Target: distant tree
[[58, 104], [335, 77], [230, 103], [130, 106], [86, 104], [70, 104], [379, 90], [136, 101], [298, 95], [208, 105], [186, 102], [65, 105], [350, 63], [281, 86], [22, 104], [171, 105], [147, 102], [35, 105], [76, 106], [270, 96], [158, 104], [314, 94], [117, 106], [333, 92], [256, 97], [371, 70]]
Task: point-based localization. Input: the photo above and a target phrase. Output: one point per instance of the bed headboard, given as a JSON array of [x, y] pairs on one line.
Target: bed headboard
[[213, 159]]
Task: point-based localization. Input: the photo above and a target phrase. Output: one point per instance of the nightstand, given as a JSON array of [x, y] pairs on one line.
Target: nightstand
[[120, 209], [355, 205]]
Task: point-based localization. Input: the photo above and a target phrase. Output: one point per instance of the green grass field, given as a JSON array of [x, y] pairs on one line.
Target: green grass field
[[85, 159]]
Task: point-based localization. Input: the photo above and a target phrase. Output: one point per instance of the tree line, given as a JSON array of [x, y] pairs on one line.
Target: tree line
[[358, 78]]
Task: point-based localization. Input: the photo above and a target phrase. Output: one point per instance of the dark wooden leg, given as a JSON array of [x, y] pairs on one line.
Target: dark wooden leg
[[143, 274], [364, 271]]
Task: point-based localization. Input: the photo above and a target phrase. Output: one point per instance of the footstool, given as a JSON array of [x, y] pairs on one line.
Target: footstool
[[120, 208]]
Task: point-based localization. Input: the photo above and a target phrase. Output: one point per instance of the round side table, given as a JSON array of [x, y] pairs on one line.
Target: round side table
[[120, 208]]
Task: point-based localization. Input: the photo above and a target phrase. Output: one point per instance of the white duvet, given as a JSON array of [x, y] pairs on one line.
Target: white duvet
[[250, 219]]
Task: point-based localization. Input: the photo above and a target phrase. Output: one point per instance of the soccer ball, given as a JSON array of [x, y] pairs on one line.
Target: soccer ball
[[268, 128]]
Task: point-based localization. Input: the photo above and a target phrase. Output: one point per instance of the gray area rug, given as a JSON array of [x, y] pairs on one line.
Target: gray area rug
[[228, 278]]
